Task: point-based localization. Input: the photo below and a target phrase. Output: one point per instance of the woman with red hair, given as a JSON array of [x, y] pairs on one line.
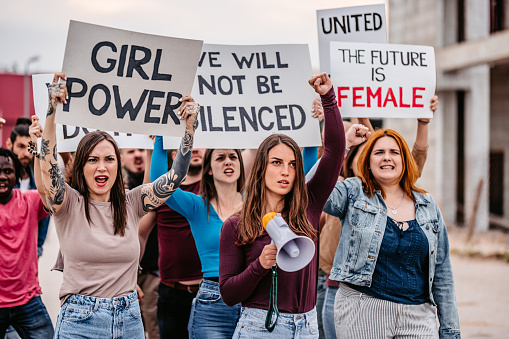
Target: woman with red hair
[[393, 256]]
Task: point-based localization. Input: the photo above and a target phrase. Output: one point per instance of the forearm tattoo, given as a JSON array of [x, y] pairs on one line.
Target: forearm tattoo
[[53, 89], [155, 194], [44, 149], [57, 189]]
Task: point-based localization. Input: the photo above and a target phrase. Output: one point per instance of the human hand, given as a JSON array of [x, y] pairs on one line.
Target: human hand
[[57, 91], [189, 110], [2, 122], [433, 107], [141, 295], [356, 134], [35, 130], [268, 256], [317, 109], [321, 83]]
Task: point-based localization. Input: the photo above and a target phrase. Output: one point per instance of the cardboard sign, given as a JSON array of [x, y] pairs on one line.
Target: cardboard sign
[[383, 80], [247, 93], [68, 136], [351, 24], [126, 81]]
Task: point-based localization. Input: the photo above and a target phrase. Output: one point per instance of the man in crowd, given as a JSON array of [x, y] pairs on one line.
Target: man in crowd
[[20, 302], [18, 144]]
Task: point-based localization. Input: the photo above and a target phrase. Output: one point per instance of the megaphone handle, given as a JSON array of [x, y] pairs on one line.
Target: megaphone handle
[[272, 302]]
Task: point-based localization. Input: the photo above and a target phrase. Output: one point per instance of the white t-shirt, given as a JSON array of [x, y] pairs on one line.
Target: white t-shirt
[[24, 184]]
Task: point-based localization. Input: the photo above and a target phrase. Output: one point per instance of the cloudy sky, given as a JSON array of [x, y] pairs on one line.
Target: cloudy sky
[[35, 29]]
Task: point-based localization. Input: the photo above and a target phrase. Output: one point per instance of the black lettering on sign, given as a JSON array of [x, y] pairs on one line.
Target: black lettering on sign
[[250, 119], [260, 112], [228, 118], [151, 106], [169, 108], [347, 23], [128, 106], [155, 74], [293, 116], [107, 99], [70, 136], [135, 64], [212, 59], [72, 93], [111, 62]]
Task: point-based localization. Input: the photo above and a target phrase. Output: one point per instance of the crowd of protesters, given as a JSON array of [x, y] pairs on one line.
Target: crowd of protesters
[[152, 248]]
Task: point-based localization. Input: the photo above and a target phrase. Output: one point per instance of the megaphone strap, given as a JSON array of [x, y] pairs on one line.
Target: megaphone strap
[[272, 302]]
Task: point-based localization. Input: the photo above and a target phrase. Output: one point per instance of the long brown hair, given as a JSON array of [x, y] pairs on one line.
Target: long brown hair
[[78, 182], [207, 188], [296, 201], [409, 174]]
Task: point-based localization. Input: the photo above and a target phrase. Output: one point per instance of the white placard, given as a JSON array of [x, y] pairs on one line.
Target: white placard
[[383, 80], [126, 81], [68, 136], [350, 24], [247, 93]]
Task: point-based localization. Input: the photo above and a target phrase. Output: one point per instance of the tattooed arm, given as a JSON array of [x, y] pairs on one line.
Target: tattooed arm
[[156, 193], [52, 177]]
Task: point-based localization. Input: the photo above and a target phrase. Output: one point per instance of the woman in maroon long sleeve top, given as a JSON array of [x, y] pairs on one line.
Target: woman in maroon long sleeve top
[[277, 184]]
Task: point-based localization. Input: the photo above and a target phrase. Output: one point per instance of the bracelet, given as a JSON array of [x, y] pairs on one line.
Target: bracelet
[[32, 148], [424, 121]]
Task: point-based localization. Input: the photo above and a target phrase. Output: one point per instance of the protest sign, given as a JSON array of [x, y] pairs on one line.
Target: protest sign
[[68, 136], [247, 93], [126, 81], [350, 24], [383, 80]]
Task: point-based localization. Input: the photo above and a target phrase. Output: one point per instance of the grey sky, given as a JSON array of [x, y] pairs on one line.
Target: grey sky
[[39, 28]]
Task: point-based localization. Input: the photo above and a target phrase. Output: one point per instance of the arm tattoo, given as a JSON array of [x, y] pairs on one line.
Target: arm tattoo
[[53, 102], [155, 194], [44, 149], [57, 189], [187, 141]]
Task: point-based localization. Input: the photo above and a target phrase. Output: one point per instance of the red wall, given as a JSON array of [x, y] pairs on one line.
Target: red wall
[[11, 101]]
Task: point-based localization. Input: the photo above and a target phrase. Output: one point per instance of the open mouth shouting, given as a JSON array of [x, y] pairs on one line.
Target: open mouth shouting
[[229, 172], [101, 180]]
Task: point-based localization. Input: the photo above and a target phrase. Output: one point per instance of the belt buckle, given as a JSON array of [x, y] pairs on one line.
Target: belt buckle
[[189, 289]]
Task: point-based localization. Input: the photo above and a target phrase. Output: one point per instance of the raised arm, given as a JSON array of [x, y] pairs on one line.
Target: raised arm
[[156, 193], [420, 149], [35, 132], [327, 171], [52, 177]]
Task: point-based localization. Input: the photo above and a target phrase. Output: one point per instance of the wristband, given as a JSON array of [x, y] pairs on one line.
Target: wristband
[[423, 121]]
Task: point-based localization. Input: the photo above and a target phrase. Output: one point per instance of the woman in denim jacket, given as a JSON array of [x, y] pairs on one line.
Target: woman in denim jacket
[[393, 257]]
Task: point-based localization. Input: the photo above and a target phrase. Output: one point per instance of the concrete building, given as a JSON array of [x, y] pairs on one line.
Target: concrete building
[[469, 136]]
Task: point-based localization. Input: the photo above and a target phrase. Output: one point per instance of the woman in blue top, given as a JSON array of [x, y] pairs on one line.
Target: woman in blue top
[[220, 196], [393, 255]]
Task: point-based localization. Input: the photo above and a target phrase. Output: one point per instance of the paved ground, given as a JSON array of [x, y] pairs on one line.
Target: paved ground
[[482, 282]]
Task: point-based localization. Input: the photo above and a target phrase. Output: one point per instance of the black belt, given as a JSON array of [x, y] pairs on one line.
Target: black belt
[[216, 279]]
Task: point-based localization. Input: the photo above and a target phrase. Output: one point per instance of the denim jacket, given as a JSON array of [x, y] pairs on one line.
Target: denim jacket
[[363, 222]]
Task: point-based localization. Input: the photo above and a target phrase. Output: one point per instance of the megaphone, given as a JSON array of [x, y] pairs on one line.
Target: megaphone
[[294, 252]]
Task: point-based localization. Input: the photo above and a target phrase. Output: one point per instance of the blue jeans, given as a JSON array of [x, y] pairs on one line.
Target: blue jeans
[[289, 325], [320, 296], [30, 320], [90, 317], [328, 312], [210, 317]]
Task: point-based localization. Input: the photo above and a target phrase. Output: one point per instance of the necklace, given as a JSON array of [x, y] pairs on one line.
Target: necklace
[[395, 209]]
